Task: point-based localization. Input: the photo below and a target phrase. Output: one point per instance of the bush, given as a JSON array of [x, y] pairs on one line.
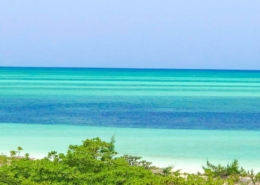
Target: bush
[[94, 163], [232, 171]]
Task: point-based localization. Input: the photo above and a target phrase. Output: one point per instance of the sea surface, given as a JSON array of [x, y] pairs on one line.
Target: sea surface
[[170, 117]]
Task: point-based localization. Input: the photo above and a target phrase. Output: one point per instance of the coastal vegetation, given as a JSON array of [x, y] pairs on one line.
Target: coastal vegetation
[[95, 162]]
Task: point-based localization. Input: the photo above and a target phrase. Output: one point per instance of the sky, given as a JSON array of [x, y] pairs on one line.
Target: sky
[[201, 34]]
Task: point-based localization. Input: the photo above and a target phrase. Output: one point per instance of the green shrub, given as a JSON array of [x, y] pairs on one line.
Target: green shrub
[[232, 169], [94, 163]]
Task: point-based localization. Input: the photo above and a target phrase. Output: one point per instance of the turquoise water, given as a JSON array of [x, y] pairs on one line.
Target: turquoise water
[[171, 117]]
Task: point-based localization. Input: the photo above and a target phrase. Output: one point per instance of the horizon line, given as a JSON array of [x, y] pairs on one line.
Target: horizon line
[[131, 68]]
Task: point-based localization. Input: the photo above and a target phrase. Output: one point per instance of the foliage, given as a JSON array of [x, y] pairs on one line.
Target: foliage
[[94, 163], [134, 161], [232, 169], [253, 177]]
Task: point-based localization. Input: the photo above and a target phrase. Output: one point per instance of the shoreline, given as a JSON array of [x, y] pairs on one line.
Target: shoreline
[[189, 166], [187, 150]]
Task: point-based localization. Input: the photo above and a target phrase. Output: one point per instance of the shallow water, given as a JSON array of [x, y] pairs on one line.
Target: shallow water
[[171, 117], [185, 149]]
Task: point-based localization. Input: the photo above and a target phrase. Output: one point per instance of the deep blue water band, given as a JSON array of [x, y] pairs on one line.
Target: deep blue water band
[[170, 99]]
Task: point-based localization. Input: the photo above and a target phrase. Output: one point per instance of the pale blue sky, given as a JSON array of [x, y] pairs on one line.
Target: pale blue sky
[[216, 34]]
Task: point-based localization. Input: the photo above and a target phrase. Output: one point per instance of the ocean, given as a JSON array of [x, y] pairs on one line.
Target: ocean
[[170, 117]]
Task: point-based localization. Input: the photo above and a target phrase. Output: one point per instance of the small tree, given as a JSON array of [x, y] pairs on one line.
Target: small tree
[[223, 171]]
